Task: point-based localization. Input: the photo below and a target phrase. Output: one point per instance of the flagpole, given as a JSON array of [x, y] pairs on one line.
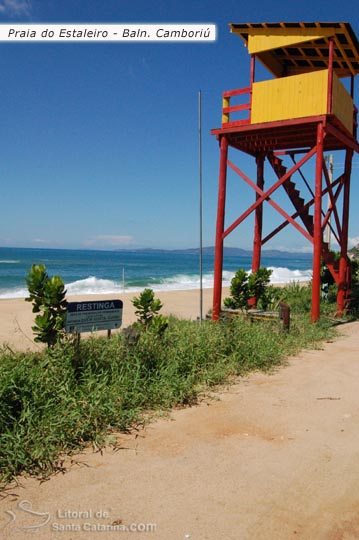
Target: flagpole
[[200, 205]]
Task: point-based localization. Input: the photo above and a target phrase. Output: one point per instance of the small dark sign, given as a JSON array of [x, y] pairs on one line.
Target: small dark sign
[[94, 315]]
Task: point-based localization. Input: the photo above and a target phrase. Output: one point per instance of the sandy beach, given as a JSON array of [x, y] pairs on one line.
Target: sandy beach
[[16, 317]]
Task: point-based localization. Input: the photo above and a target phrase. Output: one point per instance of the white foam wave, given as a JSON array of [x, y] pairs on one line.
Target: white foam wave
[[284, 275], [94, 285], [8, 261], [14, 293], [184, 282]]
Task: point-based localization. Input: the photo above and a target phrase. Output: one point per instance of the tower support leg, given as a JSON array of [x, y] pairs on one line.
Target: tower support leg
[[317, 233], [258, 223], [218, 257], [344, 284]]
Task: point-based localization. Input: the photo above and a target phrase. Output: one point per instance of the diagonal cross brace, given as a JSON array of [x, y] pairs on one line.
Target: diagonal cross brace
[[333, 199], [265, 195], [306, 206]]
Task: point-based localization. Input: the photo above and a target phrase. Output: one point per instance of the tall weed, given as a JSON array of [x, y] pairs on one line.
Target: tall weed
[[57, 401]]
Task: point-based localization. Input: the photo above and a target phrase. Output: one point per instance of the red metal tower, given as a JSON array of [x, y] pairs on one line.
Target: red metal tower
[[304, 111]]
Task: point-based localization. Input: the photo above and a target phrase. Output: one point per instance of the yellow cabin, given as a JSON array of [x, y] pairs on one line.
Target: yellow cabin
[[308, 61]]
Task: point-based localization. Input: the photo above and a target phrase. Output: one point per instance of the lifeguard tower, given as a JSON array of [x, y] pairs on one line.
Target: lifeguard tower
[[305, 110]]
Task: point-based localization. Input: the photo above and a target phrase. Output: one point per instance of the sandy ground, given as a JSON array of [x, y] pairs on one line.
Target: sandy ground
[[274, 457], [16, 317]]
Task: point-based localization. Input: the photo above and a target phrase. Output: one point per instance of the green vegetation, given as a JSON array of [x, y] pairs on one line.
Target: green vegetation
[[48, 300], [354, 252], [147, 308], [297, 295], [354, 304], [245, 286], [330, 288], [53, 403]]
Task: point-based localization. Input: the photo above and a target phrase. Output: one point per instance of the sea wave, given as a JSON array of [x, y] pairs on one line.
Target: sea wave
[[8, 261], [284, 275], [16, 292], [94, 285], [185, 282]]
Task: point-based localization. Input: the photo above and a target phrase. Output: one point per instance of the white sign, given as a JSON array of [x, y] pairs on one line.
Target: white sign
[[107, 32], [94, 315]]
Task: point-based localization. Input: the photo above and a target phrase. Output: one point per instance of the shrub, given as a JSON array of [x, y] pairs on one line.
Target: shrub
[[239, 291], [298, 296], [48, 300], [244, 287], [258, 286], [147, 308]]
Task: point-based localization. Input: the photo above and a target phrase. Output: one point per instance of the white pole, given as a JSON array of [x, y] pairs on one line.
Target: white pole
[[200, 205]]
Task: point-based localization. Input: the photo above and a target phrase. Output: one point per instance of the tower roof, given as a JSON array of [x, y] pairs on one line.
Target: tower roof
[[287, 48]]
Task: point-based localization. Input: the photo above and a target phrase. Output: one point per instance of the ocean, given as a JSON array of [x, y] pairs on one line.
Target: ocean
[[113, 272]]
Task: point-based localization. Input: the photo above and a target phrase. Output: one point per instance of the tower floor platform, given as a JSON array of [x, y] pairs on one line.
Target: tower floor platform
[[293, 134]]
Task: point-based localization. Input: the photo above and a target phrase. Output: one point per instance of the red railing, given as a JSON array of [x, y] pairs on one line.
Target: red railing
[[228, 109]]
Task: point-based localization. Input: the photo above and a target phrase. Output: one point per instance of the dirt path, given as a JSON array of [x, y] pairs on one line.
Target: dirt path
[[276, 457]]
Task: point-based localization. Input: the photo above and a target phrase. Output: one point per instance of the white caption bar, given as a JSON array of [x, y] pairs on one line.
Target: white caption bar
[[108, 32]]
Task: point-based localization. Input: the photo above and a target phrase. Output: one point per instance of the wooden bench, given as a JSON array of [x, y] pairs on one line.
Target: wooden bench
[[283, 314]]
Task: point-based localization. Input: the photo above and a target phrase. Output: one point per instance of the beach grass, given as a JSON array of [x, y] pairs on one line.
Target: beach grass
[[58, 401]]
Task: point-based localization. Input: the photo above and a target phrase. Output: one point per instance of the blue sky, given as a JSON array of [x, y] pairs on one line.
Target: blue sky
[[99, 141]]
